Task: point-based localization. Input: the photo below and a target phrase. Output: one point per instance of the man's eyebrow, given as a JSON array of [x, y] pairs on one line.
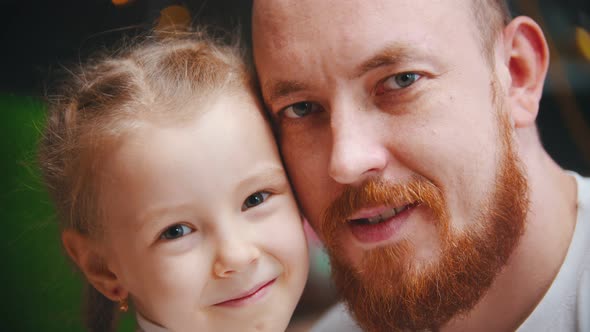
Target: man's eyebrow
[[280, 89], [390, 55]]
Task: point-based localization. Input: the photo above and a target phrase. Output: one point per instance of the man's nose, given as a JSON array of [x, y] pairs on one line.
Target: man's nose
[[234, 254], [357, 149]]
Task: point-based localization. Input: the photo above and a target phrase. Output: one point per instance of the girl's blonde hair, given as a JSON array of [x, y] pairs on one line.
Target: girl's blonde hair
[[104, 100]]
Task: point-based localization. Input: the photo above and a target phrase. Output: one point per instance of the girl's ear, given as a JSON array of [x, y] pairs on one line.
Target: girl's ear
[[527, 58], [89, 257]]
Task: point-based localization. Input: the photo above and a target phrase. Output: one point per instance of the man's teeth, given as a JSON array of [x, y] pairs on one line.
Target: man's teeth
[[401, 209], [386, 215]]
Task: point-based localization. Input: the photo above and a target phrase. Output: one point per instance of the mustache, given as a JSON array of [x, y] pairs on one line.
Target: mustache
[[378, 192]]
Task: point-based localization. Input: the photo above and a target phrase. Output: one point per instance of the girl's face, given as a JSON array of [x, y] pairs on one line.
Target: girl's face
[[203, 231]]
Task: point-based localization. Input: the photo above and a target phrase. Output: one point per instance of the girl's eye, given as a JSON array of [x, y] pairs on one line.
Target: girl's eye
[[255, 199], [299, 110], [400, 81], [176, 231]]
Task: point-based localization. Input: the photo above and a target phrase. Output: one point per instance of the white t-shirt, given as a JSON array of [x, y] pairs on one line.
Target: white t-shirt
[[565, 306]]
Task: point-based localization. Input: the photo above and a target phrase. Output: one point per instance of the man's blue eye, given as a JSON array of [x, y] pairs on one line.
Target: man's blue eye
[[255, 199], [176, 231], [299, 110], [401, 81]]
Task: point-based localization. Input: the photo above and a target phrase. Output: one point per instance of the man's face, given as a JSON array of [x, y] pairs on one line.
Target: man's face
[[387, 123]]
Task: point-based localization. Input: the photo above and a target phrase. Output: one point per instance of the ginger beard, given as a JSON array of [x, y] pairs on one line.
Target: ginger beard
[[390, 291]]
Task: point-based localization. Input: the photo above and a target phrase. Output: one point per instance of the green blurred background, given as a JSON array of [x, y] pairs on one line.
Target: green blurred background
[[41, 290]]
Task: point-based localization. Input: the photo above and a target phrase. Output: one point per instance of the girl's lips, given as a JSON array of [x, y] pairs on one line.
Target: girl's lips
[[249, 296]]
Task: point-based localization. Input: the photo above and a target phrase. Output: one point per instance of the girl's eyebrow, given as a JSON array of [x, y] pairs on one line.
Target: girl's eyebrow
[[267, 175], [153, 214], [261, 176]]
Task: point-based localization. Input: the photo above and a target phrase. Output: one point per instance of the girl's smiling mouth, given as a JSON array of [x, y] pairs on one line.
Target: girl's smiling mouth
[[250, 296]]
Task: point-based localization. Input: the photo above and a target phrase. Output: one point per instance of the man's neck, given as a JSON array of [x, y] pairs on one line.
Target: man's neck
[[536, 261]]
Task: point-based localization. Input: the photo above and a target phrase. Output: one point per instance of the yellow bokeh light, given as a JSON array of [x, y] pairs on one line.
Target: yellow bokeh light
[[120, 2], [173, 16], [583, 42]]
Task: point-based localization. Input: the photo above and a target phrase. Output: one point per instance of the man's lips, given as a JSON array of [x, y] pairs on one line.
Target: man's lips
[[248, 296], [373, 216], [379, 224]]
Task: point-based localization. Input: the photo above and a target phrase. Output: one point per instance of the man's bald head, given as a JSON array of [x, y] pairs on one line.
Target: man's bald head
[[490, 17]]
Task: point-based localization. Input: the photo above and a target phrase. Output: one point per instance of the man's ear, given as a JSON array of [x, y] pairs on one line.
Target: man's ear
[[89, 257], [527, 58]]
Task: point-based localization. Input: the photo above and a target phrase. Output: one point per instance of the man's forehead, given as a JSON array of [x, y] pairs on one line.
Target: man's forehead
[[286, 13], [289, 18], [289, 39], [278, 19], [280, 25], [274, 6]]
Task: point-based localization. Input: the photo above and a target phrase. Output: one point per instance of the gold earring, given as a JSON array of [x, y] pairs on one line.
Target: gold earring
[[123, 305]]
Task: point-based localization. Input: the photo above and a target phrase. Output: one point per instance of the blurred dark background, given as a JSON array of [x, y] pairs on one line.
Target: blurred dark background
[[39, 39]]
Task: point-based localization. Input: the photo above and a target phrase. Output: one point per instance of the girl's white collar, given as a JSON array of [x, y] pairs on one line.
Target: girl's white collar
[[147, 326]]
